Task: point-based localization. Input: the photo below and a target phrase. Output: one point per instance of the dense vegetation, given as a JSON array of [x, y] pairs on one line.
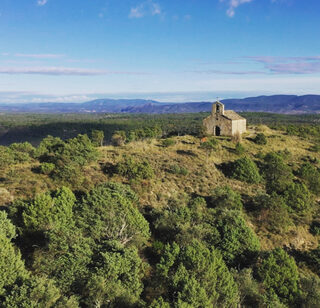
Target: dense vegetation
[[162, 217], [34, 127]]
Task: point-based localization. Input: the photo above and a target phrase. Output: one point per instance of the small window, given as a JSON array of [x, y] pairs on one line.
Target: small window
[[218, 108]]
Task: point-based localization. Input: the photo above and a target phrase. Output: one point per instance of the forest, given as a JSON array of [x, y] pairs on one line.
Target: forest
[[21, 127], [147, 211]]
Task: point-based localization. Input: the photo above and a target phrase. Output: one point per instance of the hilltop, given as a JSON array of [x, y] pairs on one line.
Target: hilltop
[[148, 210], [203, 173]]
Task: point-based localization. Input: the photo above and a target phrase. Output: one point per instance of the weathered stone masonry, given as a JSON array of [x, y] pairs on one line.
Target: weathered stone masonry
[[224, 122]]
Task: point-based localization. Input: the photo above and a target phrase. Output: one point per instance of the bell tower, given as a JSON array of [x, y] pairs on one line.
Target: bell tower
[[217, 108]]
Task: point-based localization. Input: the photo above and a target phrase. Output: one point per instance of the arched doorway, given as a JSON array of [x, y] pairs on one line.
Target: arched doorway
[[218, 131]]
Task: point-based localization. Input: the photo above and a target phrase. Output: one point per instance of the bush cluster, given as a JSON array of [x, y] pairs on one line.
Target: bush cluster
[[179, 170], [65, 160], [168, 142], [244, 169], [136, 170], [121, 137], [260, 139]]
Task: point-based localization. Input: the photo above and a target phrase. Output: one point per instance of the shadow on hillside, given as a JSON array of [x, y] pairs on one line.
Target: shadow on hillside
[[187, 153], [225, 168], [187, 142], [310, 258], [65, 130], [231, 150], [250, 139], [109, 168]]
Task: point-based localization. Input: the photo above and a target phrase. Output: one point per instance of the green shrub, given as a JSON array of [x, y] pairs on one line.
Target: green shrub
[[284, 154], [237, 242], [310, 287], [310, 176], [6, 157], [313, 257], [250, 292], [37, 292], [225, 198], [159, 303], [97, 137], [260, 139], [25, 147], [21, 152], [69, 157], [11, 263], [131, 136], [21, 157], [49, 210], [47, 168], [196, 276], [298, 198], [176, 169], [244, 169], [279, 274], [119, 138], [116, 279], [168, 142], [210, 144], [48, 147], [144, 133], [239, 149], [109, 212], [278, 175], [273, 212], [315, 228], [132, 169], [180, 222]]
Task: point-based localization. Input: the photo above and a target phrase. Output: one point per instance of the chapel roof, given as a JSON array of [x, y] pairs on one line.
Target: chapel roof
[[230, 114]]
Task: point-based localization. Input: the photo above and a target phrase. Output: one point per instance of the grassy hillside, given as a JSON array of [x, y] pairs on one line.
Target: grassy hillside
[[203, 171], [167, 176]]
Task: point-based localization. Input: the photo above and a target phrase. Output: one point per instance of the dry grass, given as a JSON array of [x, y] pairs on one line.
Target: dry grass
[[203, 174]]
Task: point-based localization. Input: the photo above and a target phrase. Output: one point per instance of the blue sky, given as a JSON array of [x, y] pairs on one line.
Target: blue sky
[[170, 50]]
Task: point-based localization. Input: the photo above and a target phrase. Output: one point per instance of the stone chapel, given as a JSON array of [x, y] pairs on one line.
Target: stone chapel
[[224, 122]]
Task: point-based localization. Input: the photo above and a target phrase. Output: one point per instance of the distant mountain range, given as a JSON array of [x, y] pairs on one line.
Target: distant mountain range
[[290, 104]]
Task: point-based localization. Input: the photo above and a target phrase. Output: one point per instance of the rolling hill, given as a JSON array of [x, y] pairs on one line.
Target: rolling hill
[[289, 104]]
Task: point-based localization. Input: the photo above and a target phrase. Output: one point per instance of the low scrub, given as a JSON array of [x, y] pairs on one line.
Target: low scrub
[[176, 169], [46, 168], [168, 142], [245, 169], [260, 139], [132, 169], [239, 149]]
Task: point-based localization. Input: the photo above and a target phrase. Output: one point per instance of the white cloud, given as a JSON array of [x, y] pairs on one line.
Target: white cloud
[[51, 71], [136, 13], [42, 2], [56, 71], [295, 68], [62, 99], [233, 4], [289, 65], [222, 72], [39, 56], [145, 8], [35, 97]]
